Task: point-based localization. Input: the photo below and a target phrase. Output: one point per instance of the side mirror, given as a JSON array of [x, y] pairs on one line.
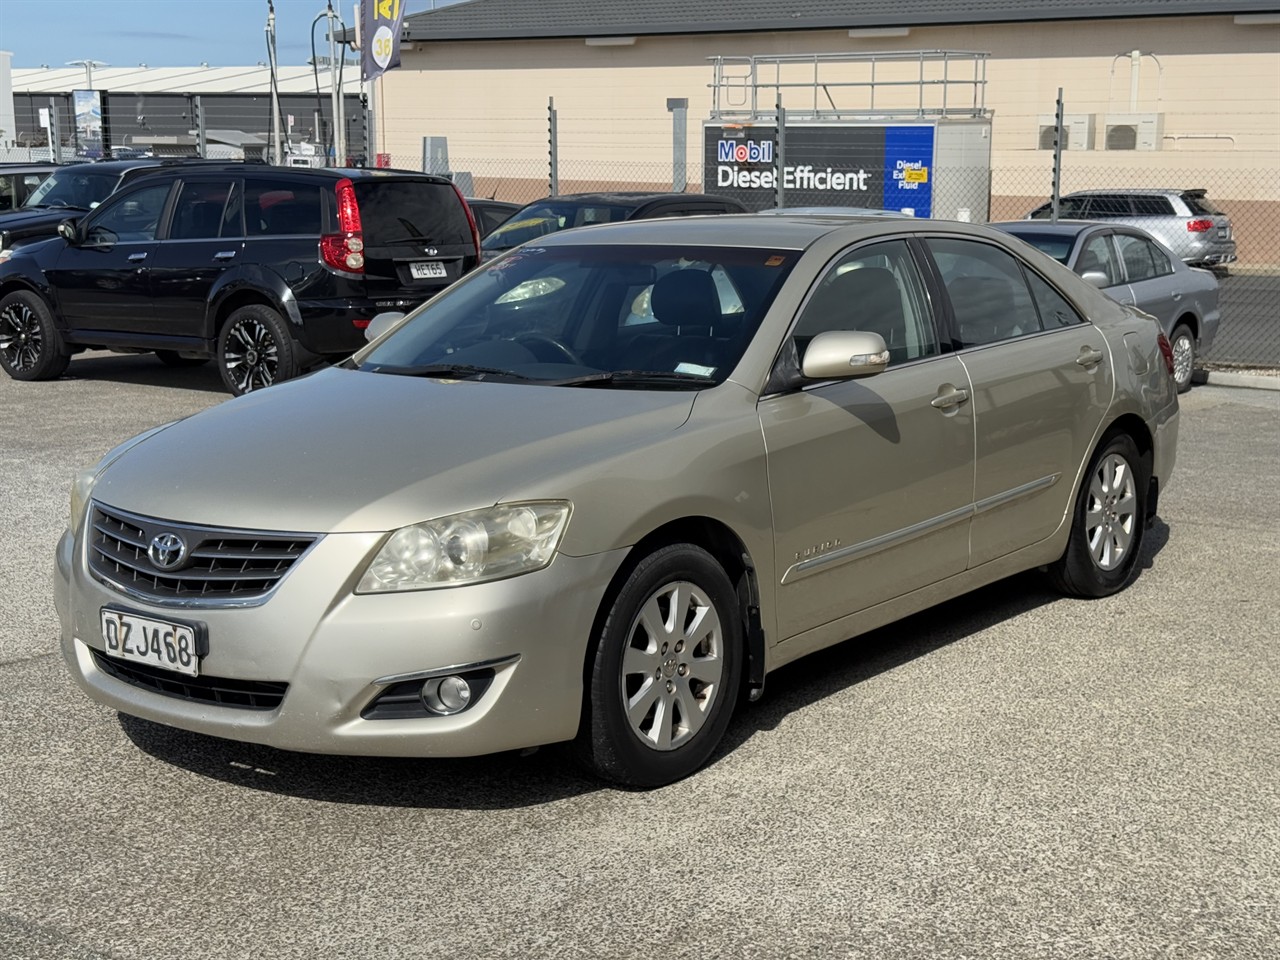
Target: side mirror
[[381, 324], [1097, 278], [69, 232], [842, 354]]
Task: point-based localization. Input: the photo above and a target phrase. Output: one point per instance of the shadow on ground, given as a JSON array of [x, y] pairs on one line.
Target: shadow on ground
[[510, 780]]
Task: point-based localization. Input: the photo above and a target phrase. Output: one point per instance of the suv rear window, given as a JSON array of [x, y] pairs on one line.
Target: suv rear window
[[281, 207], [411, 211], [1200, 206]]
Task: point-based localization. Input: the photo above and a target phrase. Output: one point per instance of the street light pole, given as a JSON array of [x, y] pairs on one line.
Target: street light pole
[[88, 69]]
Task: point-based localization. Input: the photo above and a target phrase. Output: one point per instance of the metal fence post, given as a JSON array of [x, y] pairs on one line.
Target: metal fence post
[[554, 147], [780, 194], [679, 108], [202, 146], [55, 132], [1056, 196]]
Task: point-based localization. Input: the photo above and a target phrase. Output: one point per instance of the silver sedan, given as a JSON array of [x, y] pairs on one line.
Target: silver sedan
[[601, 487], [1130, 265]]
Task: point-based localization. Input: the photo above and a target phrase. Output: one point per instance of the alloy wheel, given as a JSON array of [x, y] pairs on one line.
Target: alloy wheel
[[1111, 514], [21, 339], [252, 356], [1183, 357], [673, 665]]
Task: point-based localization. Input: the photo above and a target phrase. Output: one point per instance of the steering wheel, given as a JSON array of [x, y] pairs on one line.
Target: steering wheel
[[532, 339]]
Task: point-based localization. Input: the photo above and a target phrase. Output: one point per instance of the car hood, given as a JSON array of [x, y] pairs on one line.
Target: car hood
[[23, 218], [349, 451]]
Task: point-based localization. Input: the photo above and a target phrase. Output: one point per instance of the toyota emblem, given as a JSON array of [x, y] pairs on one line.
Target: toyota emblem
[[167, 550]]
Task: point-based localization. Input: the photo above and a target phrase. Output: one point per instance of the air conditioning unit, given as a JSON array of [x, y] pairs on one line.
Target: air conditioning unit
[[1134, 131], [1077, 131]]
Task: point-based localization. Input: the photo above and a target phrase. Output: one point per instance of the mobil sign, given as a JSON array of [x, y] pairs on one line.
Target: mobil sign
[[825, 164]]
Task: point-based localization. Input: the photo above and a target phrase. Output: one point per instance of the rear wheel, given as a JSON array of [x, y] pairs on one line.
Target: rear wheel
[[665, 670], [1184, 356], [30, 346], [1108, 525], [255, 350]]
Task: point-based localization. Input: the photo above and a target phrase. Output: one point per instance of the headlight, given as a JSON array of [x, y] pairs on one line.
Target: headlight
[[473, 547], [82, 483]]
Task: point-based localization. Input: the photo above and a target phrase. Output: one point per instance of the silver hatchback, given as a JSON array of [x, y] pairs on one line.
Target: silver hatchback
[[1183, 220], [600, 488]]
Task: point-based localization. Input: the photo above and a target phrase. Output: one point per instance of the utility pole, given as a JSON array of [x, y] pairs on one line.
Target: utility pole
[[339, 114], [277, 148]]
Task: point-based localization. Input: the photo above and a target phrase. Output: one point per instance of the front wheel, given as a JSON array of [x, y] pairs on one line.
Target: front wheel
[[1184, 356], [30, 345], [255, 350], [665, 670], [1108, 523]]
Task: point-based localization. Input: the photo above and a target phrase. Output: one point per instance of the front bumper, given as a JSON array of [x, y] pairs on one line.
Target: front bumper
[[330, 646]]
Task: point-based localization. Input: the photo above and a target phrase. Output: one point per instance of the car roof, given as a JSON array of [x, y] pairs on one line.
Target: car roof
[[1139, 191], [628, 198], [1063, 227], [785, 232]]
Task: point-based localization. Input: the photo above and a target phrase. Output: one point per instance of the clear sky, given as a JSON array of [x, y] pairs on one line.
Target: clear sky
[[166, 33]]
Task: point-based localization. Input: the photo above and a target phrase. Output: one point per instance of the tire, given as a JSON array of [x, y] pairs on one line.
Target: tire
[[171, 358], [30, 346], [255, 350], [1183, 342], [683, 682], [1108, 523]]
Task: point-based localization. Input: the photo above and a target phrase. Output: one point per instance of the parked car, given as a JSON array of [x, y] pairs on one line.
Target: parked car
[[552, 214], [1183, 220], [491, 214], [833, 212], [270, 269], [1133, 267], [516, 519], [69, 192], [19, 180]]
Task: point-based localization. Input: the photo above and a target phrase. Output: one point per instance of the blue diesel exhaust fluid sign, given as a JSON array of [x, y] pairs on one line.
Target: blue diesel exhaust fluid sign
[[828, 165]]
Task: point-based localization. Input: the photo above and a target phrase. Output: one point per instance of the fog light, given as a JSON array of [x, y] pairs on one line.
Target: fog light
[[446, 695]]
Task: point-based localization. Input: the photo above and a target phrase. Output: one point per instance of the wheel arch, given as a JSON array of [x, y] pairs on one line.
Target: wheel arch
[[728, 550]]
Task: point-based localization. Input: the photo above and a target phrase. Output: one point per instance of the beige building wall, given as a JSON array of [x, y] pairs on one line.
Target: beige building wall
[[1215, 83]]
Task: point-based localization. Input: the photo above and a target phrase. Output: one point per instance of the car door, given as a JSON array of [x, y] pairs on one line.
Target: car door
[[1153, 284], [102, 282], [205, 239], [871, 479], [1042, 382]]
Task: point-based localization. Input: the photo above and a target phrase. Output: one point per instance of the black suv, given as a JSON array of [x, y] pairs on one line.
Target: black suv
[[579, 209], [270, 269]]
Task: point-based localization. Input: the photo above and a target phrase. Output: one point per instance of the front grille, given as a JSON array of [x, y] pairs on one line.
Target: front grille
[[246, 694], [214, 564]]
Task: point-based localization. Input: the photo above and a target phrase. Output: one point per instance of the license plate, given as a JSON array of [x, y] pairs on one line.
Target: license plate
[[1223, 233], [157, 643], [427, 270]]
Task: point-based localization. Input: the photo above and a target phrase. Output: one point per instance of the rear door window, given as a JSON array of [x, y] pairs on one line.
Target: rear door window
[[1152, 207], [1109, 206], [989, 297], [200, 210], [414, 212]]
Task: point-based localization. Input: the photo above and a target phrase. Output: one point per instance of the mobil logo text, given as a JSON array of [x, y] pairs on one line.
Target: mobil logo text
[[744, 151]]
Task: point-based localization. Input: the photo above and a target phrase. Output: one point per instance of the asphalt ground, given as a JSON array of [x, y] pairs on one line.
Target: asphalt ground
[[1010, 775]]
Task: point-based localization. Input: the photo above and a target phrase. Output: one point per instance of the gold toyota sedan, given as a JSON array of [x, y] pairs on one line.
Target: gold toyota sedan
[[600, 488]]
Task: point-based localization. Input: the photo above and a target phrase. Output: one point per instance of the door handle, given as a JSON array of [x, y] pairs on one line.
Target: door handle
[[1089, 357], [952, 398], [224, 255], [137, 257]]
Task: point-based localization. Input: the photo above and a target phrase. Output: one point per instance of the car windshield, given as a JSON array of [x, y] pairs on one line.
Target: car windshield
[[79, 189], [1056, 245], [548, 216], [600, 315]]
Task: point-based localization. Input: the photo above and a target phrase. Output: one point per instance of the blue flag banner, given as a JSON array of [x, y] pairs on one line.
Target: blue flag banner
[[380, 22]]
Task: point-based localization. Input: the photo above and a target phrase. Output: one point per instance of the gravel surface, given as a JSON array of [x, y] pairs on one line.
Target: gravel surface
[[1010, 775]]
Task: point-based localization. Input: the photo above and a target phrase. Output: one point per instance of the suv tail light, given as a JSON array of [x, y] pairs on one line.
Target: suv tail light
[[1199, 226], [344, 250], [1166, 351], [471, 219]]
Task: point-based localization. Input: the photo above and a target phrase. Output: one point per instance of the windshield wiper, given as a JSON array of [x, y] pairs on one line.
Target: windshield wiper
[[667, 378], [450, 371]]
